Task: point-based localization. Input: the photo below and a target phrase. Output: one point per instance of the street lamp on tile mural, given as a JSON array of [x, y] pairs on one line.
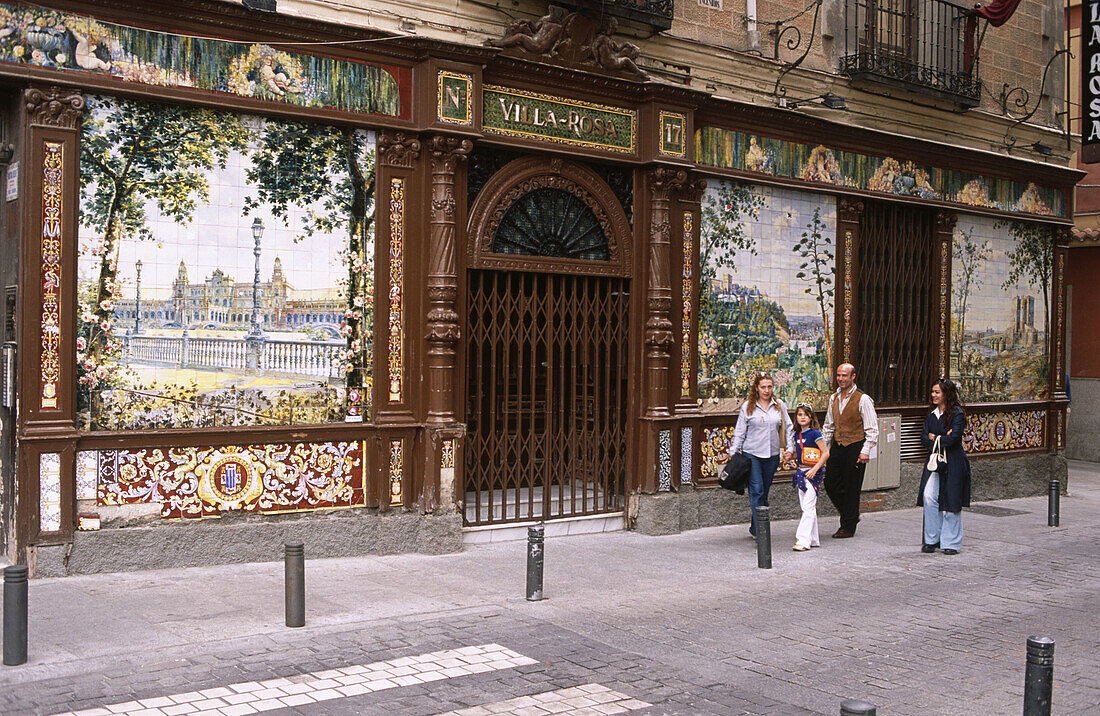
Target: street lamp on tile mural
[[137, 298], [255, 337]]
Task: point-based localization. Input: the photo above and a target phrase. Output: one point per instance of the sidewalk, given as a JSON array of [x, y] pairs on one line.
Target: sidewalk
[[679, 624]]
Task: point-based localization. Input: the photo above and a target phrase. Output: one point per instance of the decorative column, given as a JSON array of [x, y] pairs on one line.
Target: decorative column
[[686, 289], [847, 263], [1059, 254], [443, 326], [945, 233], [46, 428], [658, 326], [397, 154]]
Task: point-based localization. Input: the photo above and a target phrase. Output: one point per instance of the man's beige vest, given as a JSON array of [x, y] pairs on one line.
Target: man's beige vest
[[849, 423]]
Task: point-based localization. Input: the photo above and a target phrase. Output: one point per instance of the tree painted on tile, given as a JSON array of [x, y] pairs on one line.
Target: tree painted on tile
[[136, 152], [305, 165], [1030, 260], [970, 257], [818, 269]]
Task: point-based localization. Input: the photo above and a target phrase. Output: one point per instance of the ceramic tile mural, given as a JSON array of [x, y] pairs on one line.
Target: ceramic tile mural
[[48, 38], [233, 284], [447, 454], [996, 432], [53, 191], [49, 492], [686, 439], [203, 482], [396, 343], [86, 475], [766, 260], [1000, 284], [664, 459], [715, 448], [686, 296], [820, 164], [397, 471]]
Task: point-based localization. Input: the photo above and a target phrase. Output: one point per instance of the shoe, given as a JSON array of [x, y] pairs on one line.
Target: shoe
[[843, 534], [929, 548], [799, 548], [951, 551]]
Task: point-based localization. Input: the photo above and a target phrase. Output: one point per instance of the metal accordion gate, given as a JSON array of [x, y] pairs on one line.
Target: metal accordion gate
[[547, 396], [897, 289]]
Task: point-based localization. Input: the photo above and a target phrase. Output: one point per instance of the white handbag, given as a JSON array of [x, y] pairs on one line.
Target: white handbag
[[937, 457]]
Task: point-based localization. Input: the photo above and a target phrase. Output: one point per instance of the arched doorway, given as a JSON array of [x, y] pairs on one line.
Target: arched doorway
[[547, 334]]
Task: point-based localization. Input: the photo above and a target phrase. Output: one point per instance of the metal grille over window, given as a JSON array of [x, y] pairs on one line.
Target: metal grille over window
[[551, 222], [897, 280]]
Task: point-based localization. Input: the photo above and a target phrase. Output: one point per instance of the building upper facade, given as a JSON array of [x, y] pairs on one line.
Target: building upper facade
[[929, 69]]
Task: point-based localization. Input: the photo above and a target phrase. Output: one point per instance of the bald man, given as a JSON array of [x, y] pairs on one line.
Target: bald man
[[851, 432]]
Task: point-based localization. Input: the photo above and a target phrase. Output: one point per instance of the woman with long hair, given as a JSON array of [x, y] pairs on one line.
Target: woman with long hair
[[764, 430], [944, 492]]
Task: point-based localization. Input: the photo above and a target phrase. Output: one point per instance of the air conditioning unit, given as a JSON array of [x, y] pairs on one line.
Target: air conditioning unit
[[884, 471]]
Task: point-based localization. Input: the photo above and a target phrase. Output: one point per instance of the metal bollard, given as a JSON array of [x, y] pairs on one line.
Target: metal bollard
[[1039, 677], [15, 615], [294, 575], [1052, 503], [852, 707], [763, 537], [535, 537]]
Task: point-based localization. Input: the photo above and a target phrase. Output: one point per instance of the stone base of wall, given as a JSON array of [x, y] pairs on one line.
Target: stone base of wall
[[993, 478], [1083, 424], [237, 538]]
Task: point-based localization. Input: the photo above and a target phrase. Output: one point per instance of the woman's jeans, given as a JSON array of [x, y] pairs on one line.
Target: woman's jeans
[[943, 527], [761, 472]]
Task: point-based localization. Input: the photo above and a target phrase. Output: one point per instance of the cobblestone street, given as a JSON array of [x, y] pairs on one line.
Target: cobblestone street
[[684, 624]]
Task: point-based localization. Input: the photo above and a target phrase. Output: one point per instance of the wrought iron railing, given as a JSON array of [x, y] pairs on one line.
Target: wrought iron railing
[[655, 13], [921, 45]]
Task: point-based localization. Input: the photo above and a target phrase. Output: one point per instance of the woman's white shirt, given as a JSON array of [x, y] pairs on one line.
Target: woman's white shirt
[[758, 434]]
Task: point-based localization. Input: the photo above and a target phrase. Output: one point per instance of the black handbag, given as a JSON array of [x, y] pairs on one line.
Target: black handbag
[[735, 475]]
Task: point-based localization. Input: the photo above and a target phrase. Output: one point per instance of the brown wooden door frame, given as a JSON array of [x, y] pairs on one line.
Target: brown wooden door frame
[[499, 193]]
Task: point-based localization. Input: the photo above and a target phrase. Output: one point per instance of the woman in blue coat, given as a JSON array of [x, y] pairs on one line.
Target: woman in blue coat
[[945, 492]]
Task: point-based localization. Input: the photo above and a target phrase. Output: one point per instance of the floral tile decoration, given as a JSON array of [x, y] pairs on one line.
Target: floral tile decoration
[[1000, 431], [820, 164], [204, 482], [49, 492], [715, 448]]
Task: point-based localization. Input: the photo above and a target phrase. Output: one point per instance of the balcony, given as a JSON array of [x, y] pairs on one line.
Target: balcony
[[655, 14], [924, 46]]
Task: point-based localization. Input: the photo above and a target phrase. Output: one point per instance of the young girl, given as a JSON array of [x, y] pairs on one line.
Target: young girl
[[810, 454]]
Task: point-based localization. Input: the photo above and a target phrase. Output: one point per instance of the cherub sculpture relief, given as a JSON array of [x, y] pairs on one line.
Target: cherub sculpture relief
[[614, 56], [572, 39], [538, 37]]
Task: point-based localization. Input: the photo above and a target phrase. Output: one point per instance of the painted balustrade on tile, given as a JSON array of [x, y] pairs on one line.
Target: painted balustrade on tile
[[317, 358]]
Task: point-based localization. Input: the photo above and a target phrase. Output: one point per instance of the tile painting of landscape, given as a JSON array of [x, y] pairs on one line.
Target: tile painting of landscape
[[767, 258], [1000, 290], [224, 270]]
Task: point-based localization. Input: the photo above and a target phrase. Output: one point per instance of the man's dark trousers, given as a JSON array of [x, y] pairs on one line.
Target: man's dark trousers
[[844, 481]]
